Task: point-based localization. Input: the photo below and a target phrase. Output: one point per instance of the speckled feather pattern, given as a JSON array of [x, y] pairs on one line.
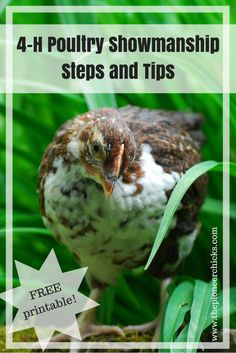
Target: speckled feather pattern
[[110, 234]]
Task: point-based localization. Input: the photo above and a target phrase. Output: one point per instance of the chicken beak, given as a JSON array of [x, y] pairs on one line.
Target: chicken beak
[[108, 182], [108, 186]]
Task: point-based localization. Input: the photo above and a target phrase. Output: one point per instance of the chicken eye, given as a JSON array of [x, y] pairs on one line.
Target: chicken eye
[[96, 147]]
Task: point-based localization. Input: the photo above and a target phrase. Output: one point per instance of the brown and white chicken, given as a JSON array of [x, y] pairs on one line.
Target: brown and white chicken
[[104, 182]]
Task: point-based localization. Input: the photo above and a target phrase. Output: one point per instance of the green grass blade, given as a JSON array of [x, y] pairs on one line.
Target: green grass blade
[[182, 186], [205, 320], [182, 337], [178, 305], [128, 293], [27, 230], [95, 101], [107, 305], [214, 206], [199, 311]]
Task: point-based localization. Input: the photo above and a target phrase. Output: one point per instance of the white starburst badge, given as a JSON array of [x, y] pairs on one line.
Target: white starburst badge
[[48, 300]]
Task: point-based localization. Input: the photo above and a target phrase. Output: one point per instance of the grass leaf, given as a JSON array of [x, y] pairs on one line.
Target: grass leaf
[[178, 305], [199, 311], [201, 316], [27, 230], [215, 206], [128, 293], [180, 189], [182, 337], [95, 101]]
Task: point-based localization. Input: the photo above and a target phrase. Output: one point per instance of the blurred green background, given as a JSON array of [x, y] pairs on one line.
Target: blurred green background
[[36, 118]]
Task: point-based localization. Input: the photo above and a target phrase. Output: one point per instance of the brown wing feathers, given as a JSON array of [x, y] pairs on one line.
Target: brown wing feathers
[[175, 140]]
